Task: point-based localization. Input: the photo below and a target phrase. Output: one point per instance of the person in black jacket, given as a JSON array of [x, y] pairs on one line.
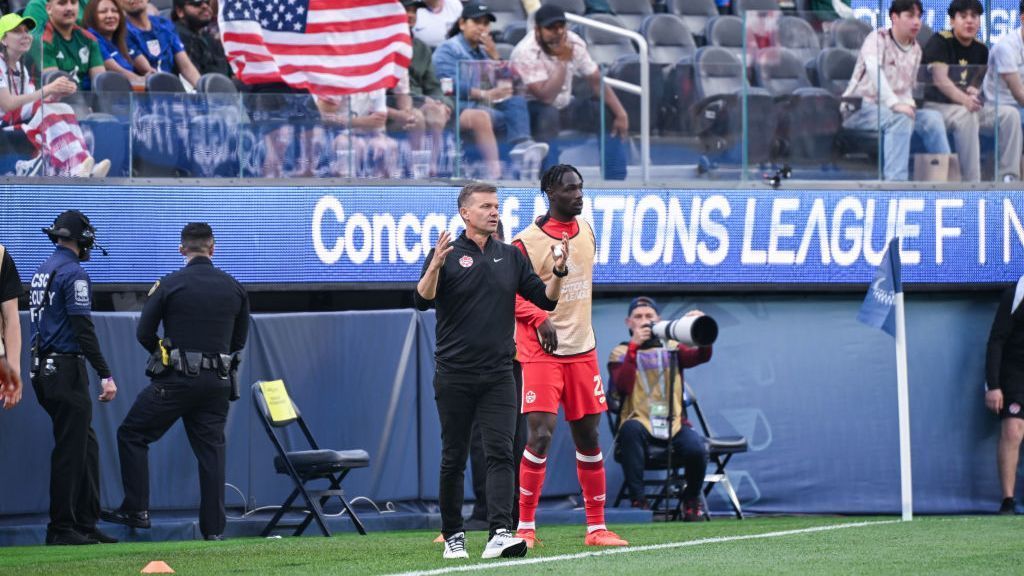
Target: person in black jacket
[[472, 282], [191, 18], [1004, 384], [205, 313], [63, 338]]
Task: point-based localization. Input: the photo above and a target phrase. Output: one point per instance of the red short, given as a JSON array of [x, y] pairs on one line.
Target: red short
[[576, 386]]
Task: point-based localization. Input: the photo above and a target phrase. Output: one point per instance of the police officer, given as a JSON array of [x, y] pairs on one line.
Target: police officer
[[205, 313], [63, 337]]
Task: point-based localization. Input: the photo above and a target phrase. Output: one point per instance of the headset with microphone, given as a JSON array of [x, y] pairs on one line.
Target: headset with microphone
[[74, 225]]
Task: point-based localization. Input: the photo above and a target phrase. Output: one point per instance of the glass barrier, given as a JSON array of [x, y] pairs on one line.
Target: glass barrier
[[744, 96]]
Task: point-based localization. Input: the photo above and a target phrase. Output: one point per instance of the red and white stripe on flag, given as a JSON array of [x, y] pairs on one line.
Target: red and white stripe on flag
[[325, 46]]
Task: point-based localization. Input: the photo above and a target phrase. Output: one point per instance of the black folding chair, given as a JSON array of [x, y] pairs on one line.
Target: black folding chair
[[277, 410], [720, 450]]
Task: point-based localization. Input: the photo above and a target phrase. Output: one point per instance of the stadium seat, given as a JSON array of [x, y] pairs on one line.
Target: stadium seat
[[570, 6], [668, 39], [727, 32], [163, 83], [834, 67], [504, 50], [721, 88], [631, 12], [779, 71], [277, 410], [162, 4], [79, 101], [696, 13], [627, 68], [506, 12], [924, 35], [213, 82], [514, 33], [113, 94], [849, 33], [606, 48], [740, 7], [799, 37], [721, 449]]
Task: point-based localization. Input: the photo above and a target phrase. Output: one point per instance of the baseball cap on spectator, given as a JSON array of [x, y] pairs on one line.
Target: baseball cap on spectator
[[11, 21], [471, 11], [643, 301], [414, 3], [549, 14]]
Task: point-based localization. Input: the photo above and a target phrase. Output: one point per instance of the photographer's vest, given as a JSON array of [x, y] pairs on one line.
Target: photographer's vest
[[654, 365], [571, 318]]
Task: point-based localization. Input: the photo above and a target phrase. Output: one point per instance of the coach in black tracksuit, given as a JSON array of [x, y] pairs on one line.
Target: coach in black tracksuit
[[205, 313], [472, 282]]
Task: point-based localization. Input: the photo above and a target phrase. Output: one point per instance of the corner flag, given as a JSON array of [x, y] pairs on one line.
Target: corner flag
[[879, 305]]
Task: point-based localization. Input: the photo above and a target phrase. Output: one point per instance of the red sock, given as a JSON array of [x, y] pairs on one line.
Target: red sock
[[590, 469], [531, 479]]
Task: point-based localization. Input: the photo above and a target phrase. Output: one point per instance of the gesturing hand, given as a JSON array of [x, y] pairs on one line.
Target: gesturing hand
[[441, 250], [561, 260]]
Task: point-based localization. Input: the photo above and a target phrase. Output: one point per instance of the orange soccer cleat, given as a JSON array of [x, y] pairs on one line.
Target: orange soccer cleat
[[528, 536], [604, 538]]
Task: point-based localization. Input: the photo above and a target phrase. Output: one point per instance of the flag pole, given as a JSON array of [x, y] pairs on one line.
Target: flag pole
[[903, 401]]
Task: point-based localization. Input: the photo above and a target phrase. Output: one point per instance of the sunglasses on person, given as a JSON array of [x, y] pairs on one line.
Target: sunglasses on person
[[197, 2]]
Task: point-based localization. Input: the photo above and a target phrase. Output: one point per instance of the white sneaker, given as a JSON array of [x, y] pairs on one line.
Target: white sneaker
[[455, 546], [506, 545], [85, 168], [100, 169]]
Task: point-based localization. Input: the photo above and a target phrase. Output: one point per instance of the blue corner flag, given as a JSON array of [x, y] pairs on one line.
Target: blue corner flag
[[878, 309]]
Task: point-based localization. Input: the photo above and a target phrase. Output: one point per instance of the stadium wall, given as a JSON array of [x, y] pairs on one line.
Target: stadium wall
[[813, 390]]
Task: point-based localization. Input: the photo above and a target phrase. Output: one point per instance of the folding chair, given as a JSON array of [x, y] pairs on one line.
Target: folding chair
[[720, 450], [277, 410]]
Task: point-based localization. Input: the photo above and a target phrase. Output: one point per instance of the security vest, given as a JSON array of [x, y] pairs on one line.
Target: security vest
[[654, 366], [571, 318]]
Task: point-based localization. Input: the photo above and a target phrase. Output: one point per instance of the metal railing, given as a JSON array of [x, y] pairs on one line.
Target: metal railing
[[643, 90]]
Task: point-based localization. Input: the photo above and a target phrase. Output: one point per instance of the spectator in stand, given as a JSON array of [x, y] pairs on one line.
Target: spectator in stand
[[363, 148], [1003, 85], [154, 37], [47, 123], [435, 107], [191, 20], [883, 79], [547, 61], [957, 62], [36, 10], [105, 21], [464, 56], [68, 47], [435, 19]]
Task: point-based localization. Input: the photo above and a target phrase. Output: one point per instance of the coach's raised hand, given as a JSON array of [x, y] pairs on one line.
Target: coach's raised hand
[[427, 286]]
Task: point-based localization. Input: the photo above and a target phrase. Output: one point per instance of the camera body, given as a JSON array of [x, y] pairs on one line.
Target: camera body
[[688, 330]]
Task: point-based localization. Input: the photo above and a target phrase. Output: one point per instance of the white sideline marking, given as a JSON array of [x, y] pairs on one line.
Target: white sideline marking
[[649, 547]]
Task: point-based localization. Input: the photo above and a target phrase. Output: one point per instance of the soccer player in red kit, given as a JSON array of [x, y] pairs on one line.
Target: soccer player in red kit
[[559, 358]]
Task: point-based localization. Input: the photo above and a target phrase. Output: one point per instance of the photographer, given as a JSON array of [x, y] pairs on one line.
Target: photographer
[[636, 369]]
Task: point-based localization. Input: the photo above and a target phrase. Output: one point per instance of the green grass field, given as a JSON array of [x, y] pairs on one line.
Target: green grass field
[[928, 545]]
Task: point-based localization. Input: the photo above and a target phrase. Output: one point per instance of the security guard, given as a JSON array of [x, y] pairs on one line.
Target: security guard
[[205, 313], [63, 337]]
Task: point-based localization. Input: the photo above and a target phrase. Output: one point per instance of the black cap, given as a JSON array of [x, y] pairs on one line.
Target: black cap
[[414, 3], [642, 301], [549, 14], [474, 10], [72, 225]]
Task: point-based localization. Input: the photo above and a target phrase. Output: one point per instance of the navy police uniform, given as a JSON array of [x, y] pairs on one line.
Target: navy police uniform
[[205, 314], [63, 338]]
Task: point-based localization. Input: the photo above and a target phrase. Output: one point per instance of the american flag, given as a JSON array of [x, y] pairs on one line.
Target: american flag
[[325, 46]]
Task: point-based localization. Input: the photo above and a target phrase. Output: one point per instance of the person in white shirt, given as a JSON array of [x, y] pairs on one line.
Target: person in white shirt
[[363, 148], [1003, 85], [547, 60], [434, 21]]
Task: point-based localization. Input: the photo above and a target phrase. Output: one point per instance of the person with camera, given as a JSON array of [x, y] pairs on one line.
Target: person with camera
[[62, 339], [205, 314], [559, 357], [637, 369]]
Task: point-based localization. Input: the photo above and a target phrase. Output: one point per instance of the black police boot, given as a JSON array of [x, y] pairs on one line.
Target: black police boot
[[138, 519], [99, 536], [1008, 507], [67, 538]]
